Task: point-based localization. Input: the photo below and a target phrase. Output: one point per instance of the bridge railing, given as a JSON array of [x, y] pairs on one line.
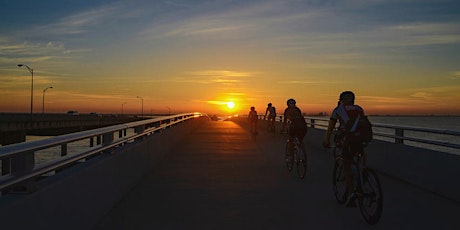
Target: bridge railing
[[19, 171], [395, 133]]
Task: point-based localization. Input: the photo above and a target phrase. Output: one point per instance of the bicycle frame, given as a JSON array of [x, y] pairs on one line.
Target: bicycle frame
[[366, 184], [296, 155]]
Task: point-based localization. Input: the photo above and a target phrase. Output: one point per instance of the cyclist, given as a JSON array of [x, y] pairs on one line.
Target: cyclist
[[298, 126], [345, 111], [271, 110], [252, 118]]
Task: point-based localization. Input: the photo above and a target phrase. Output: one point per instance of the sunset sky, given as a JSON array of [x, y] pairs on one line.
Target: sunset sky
[[398, 56]]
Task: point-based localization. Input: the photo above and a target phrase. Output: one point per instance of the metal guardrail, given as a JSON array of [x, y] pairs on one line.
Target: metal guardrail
[[399, 131], [18, 160]]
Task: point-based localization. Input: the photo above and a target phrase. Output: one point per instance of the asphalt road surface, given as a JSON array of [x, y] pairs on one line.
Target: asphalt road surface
[[219, 178]]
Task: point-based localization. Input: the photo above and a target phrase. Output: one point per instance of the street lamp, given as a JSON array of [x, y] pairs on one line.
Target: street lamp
[[43, 107], [122, 107], [32, 87], [142, 114]]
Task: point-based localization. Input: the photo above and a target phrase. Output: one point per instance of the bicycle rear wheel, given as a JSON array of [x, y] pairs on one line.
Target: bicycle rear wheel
[[272, 131], [301, 162], [289, 157], [371, 199], [338, 181]]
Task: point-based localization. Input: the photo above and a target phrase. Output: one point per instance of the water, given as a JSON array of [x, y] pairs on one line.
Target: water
[[451, 123], [435, 122], [45, 155], [48, 154]]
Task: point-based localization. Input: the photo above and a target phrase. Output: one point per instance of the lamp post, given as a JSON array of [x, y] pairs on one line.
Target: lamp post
[[142, 114], [31, 89], [43, 107], [122, 104], [169, 110]]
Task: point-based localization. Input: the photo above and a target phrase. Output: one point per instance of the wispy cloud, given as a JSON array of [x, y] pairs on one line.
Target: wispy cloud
[[80, 22], [456, 75], [296, 82], [421, 34], [222, 73], [30, 52]]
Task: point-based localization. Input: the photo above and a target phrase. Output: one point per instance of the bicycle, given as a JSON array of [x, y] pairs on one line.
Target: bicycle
[[366, 185], [295, 153], [254, 135], [271, 127]]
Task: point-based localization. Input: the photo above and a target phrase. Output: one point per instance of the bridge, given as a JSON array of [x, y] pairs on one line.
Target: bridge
[[191, 173], [15, 126]]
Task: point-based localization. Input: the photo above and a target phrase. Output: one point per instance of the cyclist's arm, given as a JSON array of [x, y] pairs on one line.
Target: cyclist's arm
[[330, 127], [284, 120]]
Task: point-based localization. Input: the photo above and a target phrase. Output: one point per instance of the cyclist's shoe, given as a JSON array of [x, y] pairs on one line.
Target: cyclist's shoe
[[351, 200]]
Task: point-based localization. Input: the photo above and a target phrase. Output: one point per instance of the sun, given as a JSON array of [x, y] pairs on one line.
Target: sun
[[230, 105]]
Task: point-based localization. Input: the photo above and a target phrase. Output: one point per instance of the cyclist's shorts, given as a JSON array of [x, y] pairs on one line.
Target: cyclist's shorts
[[299, 132]]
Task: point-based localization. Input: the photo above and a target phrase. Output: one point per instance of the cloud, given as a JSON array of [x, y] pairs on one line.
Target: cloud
[[80, 22], [222, 73], [218, 102], [456, 75], [85, 96], [296, 82], [422, 34], [422, 95]]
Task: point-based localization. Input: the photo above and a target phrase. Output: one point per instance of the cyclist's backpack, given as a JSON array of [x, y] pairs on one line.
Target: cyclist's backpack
[[362, 128], [272, 111]]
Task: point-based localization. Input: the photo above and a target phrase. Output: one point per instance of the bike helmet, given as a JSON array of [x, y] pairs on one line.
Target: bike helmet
[[290, 101], [252, 108], [347, 96], [269, 104]]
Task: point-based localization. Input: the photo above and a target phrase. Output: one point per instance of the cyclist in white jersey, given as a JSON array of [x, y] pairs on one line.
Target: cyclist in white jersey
[[344, 112]]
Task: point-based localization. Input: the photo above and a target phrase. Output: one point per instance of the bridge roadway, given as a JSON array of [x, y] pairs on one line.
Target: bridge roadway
[[218, 178]]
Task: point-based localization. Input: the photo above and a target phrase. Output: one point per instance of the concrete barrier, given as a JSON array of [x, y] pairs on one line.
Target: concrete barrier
[[79, 196]]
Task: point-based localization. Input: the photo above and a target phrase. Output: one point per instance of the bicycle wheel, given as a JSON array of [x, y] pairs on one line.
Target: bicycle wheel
[[301, 162], [289, 157], [371, 198], [337, 152], [271, 131], [338, 181]]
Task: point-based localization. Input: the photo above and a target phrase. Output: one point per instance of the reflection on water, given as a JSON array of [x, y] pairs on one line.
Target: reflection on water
[[48, 154]]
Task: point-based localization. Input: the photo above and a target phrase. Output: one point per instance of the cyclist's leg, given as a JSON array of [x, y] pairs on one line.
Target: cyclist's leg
[[272, 122], [291, 134], [347, 161], [301, 135]]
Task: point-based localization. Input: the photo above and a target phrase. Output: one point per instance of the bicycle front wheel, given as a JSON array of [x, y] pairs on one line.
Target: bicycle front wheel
[[301, 162], [371, 200], [338, 181], [289, 157]]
